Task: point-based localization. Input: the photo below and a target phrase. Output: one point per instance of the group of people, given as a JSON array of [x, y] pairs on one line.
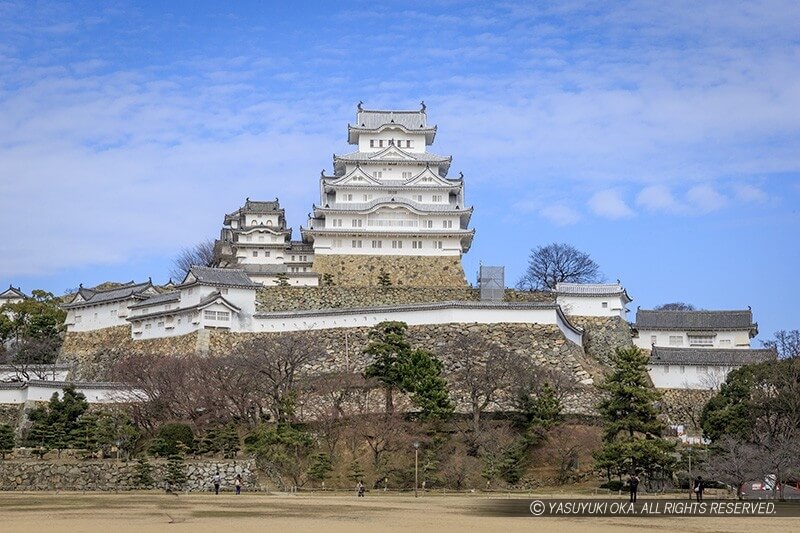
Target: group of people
[[697, 487], [217, 481]]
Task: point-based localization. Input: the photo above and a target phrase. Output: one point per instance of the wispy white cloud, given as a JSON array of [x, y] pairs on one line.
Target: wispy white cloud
[[705, 198], [749, 193], [658, 198], [610, 204], [560, 215]]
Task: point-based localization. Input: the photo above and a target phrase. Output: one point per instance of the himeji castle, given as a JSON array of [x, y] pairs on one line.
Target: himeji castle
[[391, 205]]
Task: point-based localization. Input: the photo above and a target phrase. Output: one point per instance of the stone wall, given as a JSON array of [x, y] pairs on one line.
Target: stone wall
[[270, 299], [403, 270], [10, 414], [684, 406], [602, 335], [112, 475], [544, 344], [93, 353]]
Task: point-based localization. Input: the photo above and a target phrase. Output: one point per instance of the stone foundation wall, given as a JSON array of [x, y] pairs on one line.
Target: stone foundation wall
[[9, 414], [684, 406], [92, 354], [114, 475], [602, 335], [272, 299], [414, 271]]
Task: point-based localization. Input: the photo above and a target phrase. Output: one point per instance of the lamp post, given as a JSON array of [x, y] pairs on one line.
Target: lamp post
[[416, 468]]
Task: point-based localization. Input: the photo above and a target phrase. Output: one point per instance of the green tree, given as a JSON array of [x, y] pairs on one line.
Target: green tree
[[143, 473], [7, 440], [33, 329], [387, 347], [282, 450], [282, 279], [321, 467], [328, 280], [355, 472], [172, 438], [57, 424], [631, 430], [175, 475], [421, 377]]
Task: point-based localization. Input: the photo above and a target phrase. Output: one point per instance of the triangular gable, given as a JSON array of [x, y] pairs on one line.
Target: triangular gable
[[219, 299], [428, 178], [357, 177], [393, 153], [190, 278], [11, 292]]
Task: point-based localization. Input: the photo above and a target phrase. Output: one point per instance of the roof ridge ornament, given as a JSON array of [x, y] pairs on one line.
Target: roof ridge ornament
[[360, 106], [422, 106]]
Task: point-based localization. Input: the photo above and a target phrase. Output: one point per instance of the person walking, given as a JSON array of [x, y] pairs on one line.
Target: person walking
[[238, 484], [698, 489], [216, 481], [633, 482], [360, 488]]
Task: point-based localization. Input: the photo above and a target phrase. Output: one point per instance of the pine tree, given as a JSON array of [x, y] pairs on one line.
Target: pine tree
[[176, 472], [421, 374], [327, 280], [387, 346], [355, 472], [632, 431], [321, 467], [7, 440], [282, 279], [143, 473]]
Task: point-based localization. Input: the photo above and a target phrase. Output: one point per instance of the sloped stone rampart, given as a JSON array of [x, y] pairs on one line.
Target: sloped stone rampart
[[602, 335], [109, 475], [684, 406]]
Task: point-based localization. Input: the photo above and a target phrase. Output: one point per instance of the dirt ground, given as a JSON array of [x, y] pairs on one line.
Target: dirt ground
[[325, 513]]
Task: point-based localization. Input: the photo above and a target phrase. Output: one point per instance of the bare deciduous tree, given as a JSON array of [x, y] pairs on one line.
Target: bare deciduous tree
[[479, 370], [734, 462], [675, 306], [201, 254], [278, 362], [555, 263], [786, 343]]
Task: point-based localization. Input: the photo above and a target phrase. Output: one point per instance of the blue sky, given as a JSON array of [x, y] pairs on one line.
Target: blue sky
[[663, 138]]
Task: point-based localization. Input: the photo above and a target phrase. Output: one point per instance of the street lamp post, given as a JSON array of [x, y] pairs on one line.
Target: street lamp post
[[416, 468]]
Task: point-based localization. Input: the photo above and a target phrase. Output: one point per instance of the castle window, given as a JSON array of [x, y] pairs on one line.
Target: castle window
[[397, 244], [437, 245], [724, 343], [408, 144], [416, 244], [148, 325], [357, 222], [160, 323], [113, 312], [449, 224], [348, 197], [78, 319], [372, 143], [701, 340], [406, 175], [380, 143], [377, 174], [357, 244], [377, 244], [605, 305], [427, 223], [255, 253], [418, 197], [391, 142], [436, 198]]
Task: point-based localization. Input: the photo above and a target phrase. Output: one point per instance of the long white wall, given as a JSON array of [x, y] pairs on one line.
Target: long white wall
[[585, 305], [417, 315], [42, 391]]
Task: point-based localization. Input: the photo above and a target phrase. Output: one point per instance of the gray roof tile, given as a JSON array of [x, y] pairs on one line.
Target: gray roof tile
[[128, 290], [695, 320], [710, 356], [373, 119], [220, 276]]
